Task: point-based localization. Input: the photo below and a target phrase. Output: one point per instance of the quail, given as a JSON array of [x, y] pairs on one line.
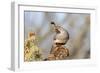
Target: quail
[[58, 52], [62, 36]]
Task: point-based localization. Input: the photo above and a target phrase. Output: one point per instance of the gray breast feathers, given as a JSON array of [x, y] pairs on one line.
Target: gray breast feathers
[[62, 36]]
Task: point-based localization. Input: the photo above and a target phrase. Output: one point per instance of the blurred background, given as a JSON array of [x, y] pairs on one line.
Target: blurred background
[[77, 25]]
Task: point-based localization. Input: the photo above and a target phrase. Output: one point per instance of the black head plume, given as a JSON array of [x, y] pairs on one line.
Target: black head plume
[[53, 23]]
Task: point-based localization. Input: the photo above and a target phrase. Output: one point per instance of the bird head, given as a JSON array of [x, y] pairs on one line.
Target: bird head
[[56, 28]]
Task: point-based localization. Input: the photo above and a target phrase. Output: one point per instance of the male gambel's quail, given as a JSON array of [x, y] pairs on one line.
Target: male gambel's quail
[[62, 36], [58, 52]]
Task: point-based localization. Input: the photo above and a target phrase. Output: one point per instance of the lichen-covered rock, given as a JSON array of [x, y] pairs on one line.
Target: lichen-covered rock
[[58, 53]]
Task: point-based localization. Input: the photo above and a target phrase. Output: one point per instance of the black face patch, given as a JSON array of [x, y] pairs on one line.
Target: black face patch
[[57, 31]]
